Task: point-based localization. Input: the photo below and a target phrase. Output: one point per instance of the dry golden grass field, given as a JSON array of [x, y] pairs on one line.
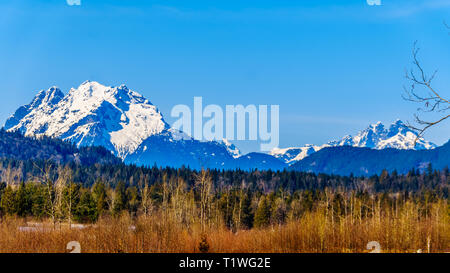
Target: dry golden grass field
[[314, 232]]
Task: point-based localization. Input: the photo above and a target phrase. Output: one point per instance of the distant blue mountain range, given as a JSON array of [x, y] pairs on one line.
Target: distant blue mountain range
[[127, 124], [348, 160]]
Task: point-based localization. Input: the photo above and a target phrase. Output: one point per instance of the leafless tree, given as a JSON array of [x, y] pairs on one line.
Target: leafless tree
[[110, 199], [47, 178], [178, 199], [65, 182], [147, 202], [165, 197], [12, 176], [204, 185], [422, 92]]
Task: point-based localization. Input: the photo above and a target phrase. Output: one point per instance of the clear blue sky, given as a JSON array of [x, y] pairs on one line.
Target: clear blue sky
[[332, 66]]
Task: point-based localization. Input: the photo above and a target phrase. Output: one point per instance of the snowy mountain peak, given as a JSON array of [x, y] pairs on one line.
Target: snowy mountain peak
[[45, 99], [397, 136], [92, 114], [377, 127], [375, 136], [398, 127], [398, 121], [93, 89]]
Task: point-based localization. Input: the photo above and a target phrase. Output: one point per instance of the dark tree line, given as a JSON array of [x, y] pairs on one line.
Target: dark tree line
[[16, 171], [52, 179], [74, 192], [15, 145]]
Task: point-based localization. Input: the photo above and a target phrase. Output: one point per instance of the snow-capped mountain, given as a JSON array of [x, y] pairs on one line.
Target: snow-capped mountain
[[92, 114], [347, 160], [291, 155], [127, 124], [376, 136]]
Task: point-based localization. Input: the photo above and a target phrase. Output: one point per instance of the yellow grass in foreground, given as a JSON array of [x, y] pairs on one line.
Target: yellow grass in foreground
[[314, 232]]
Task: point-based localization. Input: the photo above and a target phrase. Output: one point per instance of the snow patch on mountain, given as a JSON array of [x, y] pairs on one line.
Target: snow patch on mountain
[[294, 154], [231, 148]]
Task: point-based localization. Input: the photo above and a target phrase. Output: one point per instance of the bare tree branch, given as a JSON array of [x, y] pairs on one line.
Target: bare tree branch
[[422, 92]]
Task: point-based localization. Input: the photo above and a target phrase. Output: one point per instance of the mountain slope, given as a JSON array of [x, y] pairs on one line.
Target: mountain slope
[[345, 160], [260, 161], [375, 136], [13, 145], [162, 150]]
